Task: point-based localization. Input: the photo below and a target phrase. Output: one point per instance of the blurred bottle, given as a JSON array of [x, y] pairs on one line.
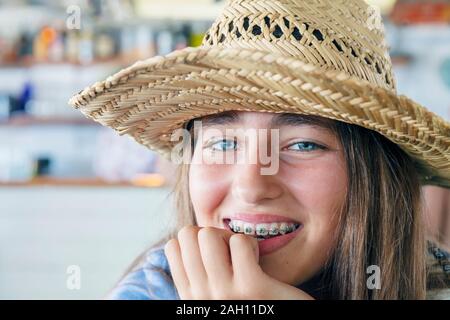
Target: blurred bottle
[[26, 95], [56, 49], [24, 46], [197, 33], [86, 48], [41, 45], [71, 47], [5, 106], [42, 166], [104, 46], [182, 37], [127, 43], [164, 42], [145, 42]]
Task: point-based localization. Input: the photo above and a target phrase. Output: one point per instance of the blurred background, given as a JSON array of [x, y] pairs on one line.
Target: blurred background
[[76, 199]]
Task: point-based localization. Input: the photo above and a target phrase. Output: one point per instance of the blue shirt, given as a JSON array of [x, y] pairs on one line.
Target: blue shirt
[[151, 281]]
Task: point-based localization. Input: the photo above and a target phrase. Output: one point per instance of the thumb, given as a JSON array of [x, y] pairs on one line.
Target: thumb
[[244, 254]]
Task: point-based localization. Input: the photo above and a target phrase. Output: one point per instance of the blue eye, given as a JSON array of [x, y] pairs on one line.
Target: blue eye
[[223, 145], [306, 146]]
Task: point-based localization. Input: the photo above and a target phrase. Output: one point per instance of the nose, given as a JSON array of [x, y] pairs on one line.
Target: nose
[[252, 187]]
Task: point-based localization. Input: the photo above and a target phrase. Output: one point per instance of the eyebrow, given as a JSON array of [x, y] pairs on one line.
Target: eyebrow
[[294, 119], [224, 118], [278, 120]]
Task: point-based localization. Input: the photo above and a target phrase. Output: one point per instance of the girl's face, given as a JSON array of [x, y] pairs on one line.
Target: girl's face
[[306, 185]]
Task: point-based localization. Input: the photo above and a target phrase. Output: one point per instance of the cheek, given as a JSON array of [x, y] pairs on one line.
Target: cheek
[[318, 185], [320, 189], [324, 191], [208, 186]]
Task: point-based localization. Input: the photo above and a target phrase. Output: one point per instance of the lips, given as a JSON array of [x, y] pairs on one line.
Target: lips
[[273, 244], [267, 244], [260, 218]]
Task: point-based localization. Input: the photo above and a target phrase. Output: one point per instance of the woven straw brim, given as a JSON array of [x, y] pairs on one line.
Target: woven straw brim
[[152, 98]]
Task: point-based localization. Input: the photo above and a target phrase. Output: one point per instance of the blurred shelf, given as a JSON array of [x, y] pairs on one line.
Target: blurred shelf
[[20, 121], [154, 182], [28, 63]]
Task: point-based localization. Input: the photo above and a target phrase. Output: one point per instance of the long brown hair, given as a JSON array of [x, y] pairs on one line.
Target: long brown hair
[[380, 223]]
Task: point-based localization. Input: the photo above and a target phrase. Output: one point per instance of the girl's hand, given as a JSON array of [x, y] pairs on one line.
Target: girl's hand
[[212, 263]]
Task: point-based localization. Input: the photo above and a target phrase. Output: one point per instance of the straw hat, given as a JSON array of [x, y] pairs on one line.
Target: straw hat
[[317, 57]]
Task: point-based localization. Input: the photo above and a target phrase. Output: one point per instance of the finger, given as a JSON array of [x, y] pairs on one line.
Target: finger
[[179, 276], [192, 259], [244, 256], [215, 251]]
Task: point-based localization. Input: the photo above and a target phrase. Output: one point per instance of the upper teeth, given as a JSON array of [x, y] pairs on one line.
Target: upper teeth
[[263, 229]]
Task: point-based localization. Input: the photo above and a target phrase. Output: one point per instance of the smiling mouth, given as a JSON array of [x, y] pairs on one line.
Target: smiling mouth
[[261, 231]]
